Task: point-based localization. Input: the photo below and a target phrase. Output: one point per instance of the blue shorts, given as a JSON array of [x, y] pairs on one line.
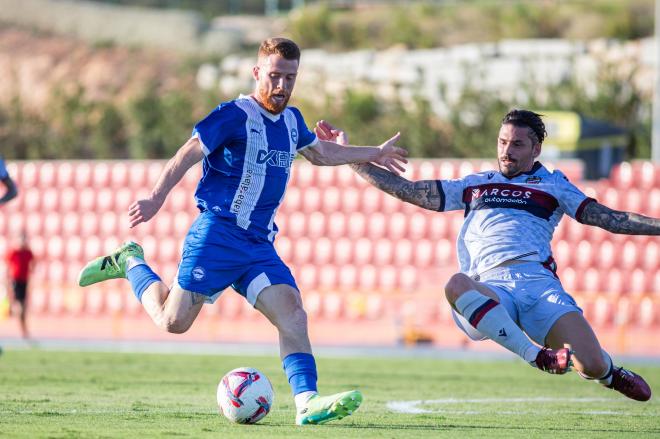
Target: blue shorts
[[218, 254], [531, 294]]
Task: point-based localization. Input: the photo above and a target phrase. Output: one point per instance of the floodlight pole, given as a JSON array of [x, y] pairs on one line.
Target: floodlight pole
[[655, 123]]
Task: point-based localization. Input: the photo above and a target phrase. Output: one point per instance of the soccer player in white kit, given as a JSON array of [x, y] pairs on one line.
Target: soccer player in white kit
[[507, 289]]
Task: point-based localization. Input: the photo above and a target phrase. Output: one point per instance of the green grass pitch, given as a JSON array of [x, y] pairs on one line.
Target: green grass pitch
[[117, 395]]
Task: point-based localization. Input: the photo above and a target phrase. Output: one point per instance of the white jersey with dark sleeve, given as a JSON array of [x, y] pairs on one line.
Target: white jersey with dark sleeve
[[509, 218]]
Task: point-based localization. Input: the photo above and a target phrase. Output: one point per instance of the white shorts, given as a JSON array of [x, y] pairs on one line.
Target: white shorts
[[531, 294]]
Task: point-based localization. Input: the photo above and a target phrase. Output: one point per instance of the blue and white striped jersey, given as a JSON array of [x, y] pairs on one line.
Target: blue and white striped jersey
[[248, 155], [509, 218]]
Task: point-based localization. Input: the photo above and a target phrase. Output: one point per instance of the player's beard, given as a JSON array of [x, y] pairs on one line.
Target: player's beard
[[511, 168], [269, 103]]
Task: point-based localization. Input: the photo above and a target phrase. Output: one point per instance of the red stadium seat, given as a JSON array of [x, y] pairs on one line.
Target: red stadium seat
[[383, 252], [284, 247], [371, 200], [650, 260], [447, 170], [325, 176], [343, 251], [47, 175], [438, 226], [443, 253], [332, 199], [302, 251], [629, 256], [357, 225], [350, 200], [388, 278], [408, 279], [423, 254], [563, 254], [101, 175], [312, 199], [292, 201], [583, 256], [403, 252], [65, 175], [322, 253], [119, 175], [348, 275], [362, 251], [316, 226], [367, 278], [307, 277], [418, 226], [336, 225], [327, 277], [296, 225], [398, 223], [376, 226], [622, 176]]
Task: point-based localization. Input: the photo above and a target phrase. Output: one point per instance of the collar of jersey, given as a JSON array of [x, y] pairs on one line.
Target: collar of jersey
[[266, 113], [536, 167]]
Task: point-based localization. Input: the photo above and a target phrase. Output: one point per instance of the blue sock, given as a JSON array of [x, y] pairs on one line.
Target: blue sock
[[141, 276], [300, 369]]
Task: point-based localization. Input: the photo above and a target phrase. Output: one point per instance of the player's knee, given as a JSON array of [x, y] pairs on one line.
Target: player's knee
[[457, 285], [176, 326]]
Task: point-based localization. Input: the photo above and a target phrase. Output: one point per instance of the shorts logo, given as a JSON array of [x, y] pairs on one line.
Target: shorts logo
[[198, 273]]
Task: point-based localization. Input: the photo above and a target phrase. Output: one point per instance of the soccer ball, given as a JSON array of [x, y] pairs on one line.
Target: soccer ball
[[245, 395]]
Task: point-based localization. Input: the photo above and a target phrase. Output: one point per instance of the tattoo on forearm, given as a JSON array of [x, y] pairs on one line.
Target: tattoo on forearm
[[616, 221], [422, 193]]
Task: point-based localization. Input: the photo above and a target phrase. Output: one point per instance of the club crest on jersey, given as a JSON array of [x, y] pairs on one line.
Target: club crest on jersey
[[281, 159], [198, 273], [533, 179], [491, 175], [294, 135]]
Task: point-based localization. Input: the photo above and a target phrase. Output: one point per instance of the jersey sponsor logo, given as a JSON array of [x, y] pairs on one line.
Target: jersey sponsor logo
[[509, 196], [533, 179], [280, 159], [241, 194]]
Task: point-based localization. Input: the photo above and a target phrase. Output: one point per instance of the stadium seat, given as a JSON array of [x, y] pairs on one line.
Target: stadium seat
[[583, 256], [312, 199], [418, 224], [375, 307], [403, 252], [284, 246], [303, 175], [356, 227], [438, 226], [332, 199], [327, 277], [33, 224], [423, 254], [388, 278], [296, 225], [629, 256], [398, 223], [408, 279], [383, 252], [350, 200], [307, 277], [376, 226], [447, 170], [316, 226], [615, 284], [333, 306], [367, 278], [371, 200], [336, 225], [443, 253], [28, 175], [325, 176], [50, 199], [648, 313], [293, 200], [622, 176], [313, 303], [302, 251], [362, 251], [47, 175], [322, 253], [348, 277], [343, 252], [119, 175], [650, 260]]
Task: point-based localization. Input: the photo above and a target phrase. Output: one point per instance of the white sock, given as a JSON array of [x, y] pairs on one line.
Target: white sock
[[606, 379], [134, 261], [302, 398], [492, 320]]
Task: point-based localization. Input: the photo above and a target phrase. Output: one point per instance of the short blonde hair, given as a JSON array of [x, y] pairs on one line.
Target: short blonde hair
[[284, 47]]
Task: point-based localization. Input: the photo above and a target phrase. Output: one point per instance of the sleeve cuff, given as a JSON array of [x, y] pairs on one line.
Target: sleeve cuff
[[580, 209], [312, 144]]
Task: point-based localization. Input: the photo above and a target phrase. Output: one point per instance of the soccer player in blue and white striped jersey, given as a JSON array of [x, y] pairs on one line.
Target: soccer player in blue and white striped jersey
[[246, 147]]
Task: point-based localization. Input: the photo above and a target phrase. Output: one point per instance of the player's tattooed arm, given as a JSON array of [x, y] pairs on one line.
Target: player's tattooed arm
[[423, 193], [616, 221]]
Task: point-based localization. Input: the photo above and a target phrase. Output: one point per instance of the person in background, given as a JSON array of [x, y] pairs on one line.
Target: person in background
[[19, 266]]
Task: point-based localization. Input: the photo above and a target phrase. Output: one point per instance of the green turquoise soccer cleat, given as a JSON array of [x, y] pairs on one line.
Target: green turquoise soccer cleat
[[321, 409], [112, 266]]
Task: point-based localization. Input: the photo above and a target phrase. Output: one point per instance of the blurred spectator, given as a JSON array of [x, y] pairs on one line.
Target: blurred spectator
[[19, 264]]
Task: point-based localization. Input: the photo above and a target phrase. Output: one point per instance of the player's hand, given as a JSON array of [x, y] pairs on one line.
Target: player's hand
[[391, 156], [142, 211], [325, 131]]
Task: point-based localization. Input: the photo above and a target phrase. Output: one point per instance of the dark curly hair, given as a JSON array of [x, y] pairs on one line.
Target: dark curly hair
[[529, 119]]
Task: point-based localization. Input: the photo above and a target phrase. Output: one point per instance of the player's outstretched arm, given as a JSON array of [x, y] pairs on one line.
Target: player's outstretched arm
[[616, 221], [422, 193], [11, 191], [143, 210], [330, 153]]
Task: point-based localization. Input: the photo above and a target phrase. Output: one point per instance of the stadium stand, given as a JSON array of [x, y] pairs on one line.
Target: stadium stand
[[362, 258]]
